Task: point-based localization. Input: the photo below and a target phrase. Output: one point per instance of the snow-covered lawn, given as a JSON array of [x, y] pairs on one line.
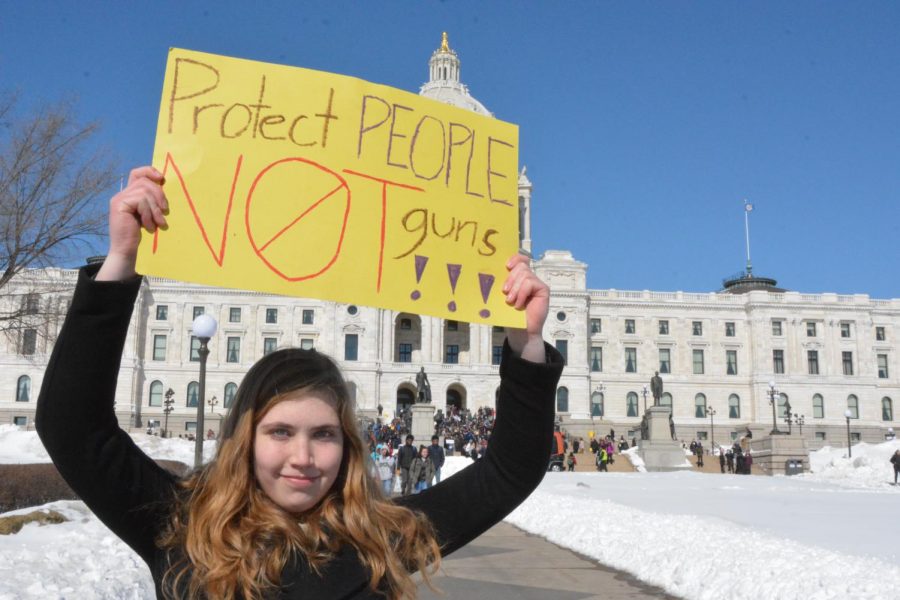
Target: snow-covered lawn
[[832, 533]]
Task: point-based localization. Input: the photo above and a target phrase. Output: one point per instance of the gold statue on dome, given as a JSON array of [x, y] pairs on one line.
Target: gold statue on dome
[[445, 45]]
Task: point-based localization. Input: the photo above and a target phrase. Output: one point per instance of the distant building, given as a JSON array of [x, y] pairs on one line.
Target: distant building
[[826, 353]]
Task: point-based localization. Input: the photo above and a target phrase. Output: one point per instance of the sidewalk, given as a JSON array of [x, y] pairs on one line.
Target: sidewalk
[[508, 564]]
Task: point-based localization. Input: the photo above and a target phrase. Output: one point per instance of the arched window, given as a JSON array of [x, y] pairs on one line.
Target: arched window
[[193, 394], [782, 405], [230, 391], [700, 406], [156, 393], [597, 404], [853, 406], [23, 389], [562, 400], [818, 406], [631, 404], [887, 409], [734, 406], [666, 400]]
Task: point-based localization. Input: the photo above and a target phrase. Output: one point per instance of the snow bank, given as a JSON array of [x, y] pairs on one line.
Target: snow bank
[[870, 466]]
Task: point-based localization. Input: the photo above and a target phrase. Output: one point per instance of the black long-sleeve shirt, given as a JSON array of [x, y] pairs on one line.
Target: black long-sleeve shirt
[[132, 495]]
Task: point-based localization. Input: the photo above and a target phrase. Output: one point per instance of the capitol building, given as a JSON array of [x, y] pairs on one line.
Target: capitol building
[[718, 353]]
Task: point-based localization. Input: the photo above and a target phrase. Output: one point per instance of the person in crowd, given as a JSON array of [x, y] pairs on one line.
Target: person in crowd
[[386, 466], [571, 462], [576, 445], [748, 463], [698, 450], [602, 459], [729, 460], [436, 454], [895, 460], [405, 457], [287, 508], [421, 471], [722, 459], [595, 446]]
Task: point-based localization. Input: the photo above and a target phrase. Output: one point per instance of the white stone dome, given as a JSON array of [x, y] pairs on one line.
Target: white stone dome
[[444, 84]]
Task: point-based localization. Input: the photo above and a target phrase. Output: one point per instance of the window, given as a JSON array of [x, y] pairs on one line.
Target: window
[[195, 349], [404, 353], [29, 341], [562, 400], [776, 328], [162, 312], [812, 361], [233, 353], [855, 436], [734, 406], [700, 406], [663, 328], [887, 409], [20, 421], [853, 406], [818, 406], [697, 328], [23, 389], [698, 362], [778, 361], [159, 347], [810, 329], [882, 366], [496, 354], [156, 394], [191, 427], [269, 345], [352, 310], [32, 304], [596, 326], [845, 330], [629, 326], [452, 325], [307, 343], [596, 359], [729, 329], [271, 315], [230, 391], [782, 405], [666, 400], [631, 404], [193, 394], [631, 360], [563, 347], [820, 436], [452, 355], [234, 314], [847, 362], [597, 404], [351, 346], [731, 367], [198, 310], [308, 316], [702, 436], [879, 334], [406, 324], [665, 360], [560, 316]]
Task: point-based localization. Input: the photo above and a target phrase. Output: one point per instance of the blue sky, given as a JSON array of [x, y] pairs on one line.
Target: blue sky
[[643, 125]]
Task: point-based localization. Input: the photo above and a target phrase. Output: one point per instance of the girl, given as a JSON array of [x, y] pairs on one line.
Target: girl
[[421, 471], [287, 509], [386, 465]]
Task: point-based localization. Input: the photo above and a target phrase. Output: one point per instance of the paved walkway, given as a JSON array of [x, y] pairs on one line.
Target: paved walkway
[[508, 564]]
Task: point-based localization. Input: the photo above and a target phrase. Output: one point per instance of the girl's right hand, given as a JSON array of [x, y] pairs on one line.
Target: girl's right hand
[[142, 204]]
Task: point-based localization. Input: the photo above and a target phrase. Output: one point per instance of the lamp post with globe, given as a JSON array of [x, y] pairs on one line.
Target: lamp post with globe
[[203, 328]]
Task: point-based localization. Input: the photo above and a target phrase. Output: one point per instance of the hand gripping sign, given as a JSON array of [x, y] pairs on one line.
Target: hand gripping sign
[[304, 183]]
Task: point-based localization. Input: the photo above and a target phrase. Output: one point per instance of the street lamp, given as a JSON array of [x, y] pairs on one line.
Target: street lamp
[[203, 328], [773, 393], [799, 421], [598, 390], [168, 403], [644, 392], [712, 413], [212, 404], [848, 415], [788, 415]]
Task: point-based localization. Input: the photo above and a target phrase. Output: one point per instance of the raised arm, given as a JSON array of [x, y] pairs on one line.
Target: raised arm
[[75, 412]]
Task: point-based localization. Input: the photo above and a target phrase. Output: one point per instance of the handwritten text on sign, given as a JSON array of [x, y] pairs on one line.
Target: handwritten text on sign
[[305, 183]]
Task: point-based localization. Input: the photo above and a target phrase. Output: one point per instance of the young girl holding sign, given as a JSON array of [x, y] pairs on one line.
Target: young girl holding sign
[[288, 508]]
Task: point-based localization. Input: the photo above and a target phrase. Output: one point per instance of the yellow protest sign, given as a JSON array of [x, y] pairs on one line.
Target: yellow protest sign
[[304, 183]]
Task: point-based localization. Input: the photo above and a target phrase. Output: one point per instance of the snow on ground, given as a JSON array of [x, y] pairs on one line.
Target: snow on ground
[[827, 534]]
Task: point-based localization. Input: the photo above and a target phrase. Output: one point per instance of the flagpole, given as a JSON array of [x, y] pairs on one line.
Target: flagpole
[[747, 208]]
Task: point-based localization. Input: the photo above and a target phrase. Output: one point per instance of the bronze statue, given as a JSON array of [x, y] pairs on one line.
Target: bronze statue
[[424, 388], [656, 387]]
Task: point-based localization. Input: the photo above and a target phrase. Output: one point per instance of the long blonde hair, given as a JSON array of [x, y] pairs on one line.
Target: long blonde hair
[[227, 539]]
